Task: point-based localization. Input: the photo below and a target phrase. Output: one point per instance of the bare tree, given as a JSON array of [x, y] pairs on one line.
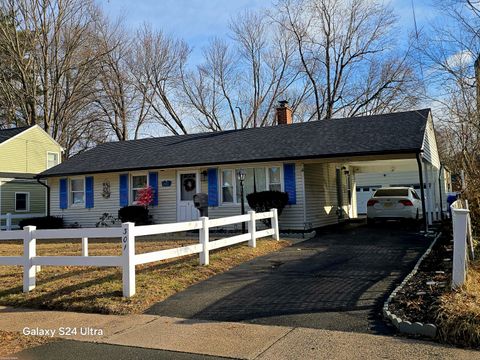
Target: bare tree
[[122, 95], [52, 47], [238, 85], [449, 52], [158, 62], [344, 48]]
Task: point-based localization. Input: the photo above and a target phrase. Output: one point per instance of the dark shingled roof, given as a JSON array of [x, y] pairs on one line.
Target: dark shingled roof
[[393, 133], [6, 134]]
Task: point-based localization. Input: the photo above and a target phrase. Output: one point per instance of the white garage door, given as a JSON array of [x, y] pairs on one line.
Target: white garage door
[[364, 193]]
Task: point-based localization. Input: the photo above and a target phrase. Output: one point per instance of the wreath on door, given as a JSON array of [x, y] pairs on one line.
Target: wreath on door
[[189, 184]]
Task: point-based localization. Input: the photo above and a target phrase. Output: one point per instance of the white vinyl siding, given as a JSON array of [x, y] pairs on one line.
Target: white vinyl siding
[[321, 194], [430, 150], [292, 217], [166, 211]]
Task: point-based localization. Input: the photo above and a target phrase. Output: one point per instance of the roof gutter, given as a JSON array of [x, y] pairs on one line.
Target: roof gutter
[[48, 194]]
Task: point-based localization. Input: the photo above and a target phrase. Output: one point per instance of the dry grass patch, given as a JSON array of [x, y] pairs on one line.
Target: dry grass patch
[[99, 289], [13, 342], [458, 316]]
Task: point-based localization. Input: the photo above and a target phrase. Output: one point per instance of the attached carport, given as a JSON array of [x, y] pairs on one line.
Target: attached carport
[[423, 176], [405, 145]]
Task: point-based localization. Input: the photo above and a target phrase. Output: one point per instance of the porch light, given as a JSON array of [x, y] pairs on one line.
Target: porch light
[[241, 175]]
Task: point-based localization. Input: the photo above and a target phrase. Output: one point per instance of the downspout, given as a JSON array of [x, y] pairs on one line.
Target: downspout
[[48, 194], [422, 190], [440, 190]]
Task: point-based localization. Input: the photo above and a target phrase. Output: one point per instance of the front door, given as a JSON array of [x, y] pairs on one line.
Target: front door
[[188, 185]]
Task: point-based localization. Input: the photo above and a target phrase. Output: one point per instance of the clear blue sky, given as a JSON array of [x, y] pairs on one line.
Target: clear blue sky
[[197, 21]]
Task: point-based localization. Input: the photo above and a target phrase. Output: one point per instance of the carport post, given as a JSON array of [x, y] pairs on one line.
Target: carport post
[[422, 190]]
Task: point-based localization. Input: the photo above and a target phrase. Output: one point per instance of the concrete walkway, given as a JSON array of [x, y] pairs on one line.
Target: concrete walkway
[[132, 335]]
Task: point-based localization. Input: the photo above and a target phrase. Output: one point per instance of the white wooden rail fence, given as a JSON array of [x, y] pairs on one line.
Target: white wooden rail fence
[[128, 232], [462, 237], [9, 217]]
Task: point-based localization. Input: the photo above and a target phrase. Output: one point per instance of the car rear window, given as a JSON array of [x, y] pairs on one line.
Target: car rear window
[[391, 192]]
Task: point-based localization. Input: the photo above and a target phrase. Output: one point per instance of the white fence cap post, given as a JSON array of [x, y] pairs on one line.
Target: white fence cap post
[[128, 252], [29, 252], [275, 226], [252, 229], [204, 234]]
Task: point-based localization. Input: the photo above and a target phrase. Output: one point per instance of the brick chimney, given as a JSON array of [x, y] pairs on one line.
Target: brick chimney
[[284, 113]]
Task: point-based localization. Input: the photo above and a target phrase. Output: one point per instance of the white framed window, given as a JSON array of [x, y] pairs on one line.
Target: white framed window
[[53, 159], [77, 192], [228, 183], [274, 178], [22, 201], [256, 179], [139, 182]]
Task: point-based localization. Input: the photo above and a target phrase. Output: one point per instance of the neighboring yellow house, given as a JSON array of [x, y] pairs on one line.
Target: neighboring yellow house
[[24, 153]]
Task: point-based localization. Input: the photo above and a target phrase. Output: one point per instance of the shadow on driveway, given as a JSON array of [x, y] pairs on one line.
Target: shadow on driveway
[[337, 281]]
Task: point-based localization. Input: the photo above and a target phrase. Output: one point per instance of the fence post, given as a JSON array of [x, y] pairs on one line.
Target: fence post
[[252, 229], [84, 246], [204, 240], [128, 252], [459, 220], [276, 233], [29, 251], [8, 221]]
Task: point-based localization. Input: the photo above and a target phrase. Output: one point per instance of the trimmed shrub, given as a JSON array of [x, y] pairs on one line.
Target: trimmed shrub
[[136, 214], [44, 222], [266, 200]]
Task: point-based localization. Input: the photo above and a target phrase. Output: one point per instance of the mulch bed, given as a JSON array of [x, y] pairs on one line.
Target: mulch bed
[[419, 299]]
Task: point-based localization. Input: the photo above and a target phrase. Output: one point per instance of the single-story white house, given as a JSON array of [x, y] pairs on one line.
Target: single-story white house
[[315, 163]]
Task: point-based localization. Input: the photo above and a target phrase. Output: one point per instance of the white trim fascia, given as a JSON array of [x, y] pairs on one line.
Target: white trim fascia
[[36, 126]]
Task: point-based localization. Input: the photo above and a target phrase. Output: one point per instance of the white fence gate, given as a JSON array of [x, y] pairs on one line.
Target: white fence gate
[[462, 237], [128, 232]]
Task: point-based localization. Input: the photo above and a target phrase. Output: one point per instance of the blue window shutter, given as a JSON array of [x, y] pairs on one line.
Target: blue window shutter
[[153, 182], [289, 183], [89, 192], [63, 193], [123, 190], [212, 187]]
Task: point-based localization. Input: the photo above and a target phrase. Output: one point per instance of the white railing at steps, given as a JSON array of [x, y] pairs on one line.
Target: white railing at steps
[[9, 217], [462, 235], [128, 232]]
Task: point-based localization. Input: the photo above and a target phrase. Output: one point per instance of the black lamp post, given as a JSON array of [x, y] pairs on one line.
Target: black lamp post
[[241, 176]]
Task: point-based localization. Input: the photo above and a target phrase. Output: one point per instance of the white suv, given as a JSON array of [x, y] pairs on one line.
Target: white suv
[[394, 203]]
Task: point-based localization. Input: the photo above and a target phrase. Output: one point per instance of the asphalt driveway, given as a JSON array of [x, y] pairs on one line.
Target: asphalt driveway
[[337, 281]]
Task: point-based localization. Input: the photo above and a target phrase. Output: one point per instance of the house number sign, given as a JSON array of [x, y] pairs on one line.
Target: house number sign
[[124, 239]]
